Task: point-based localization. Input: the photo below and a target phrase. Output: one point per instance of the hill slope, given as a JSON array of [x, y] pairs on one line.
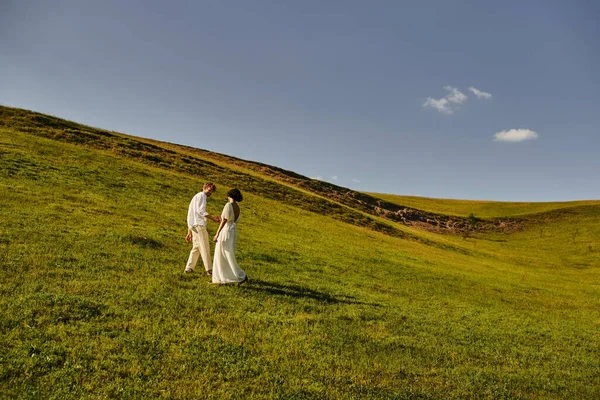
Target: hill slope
[[341, 303], [483, 209]]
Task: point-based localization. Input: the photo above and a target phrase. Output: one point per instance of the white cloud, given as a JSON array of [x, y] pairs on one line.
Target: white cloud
[[441, 105], [480, 94], [355, 180], [334, 177], [455, 96], [448, 104], [515, 135]]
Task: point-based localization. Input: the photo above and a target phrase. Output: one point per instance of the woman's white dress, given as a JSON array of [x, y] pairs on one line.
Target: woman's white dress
[[225, 267]]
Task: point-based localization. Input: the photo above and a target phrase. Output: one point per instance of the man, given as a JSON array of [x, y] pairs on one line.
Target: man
[[196, 220]]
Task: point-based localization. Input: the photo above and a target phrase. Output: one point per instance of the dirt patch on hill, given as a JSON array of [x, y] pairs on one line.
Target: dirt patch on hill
[[423, 220]]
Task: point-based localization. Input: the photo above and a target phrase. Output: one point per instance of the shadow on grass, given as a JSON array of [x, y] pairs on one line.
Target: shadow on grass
[[297, 291]]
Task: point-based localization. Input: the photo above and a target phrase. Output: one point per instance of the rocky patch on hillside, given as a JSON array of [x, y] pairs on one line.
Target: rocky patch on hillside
[[419, 219]]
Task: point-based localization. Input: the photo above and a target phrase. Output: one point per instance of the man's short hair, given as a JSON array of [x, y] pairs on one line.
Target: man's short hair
[[209, 185]]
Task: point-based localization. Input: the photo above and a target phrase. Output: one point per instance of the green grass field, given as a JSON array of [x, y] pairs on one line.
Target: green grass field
[[94, 304]]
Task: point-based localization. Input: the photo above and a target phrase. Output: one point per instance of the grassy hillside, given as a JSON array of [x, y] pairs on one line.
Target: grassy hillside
[[341, 303], [483, 209]]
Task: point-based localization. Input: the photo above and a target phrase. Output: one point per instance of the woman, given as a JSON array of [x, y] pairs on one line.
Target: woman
[[225, 267]]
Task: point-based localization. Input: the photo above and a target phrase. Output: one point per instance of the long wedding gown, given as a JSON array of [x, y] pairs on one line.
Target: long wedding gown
[[225, 267]]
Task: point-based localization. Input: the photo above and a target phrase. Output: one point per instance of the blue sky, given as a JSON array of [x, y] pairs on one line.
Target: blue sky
[[452, 99]]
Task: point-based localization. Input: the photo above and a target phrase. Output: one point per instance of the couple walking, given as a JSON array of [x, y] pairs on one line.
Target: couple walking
[[225, 268]]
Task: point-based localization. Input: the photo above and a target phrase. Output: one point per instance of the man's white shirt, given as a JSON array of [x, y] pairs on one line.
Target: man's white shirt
[[197, 211]]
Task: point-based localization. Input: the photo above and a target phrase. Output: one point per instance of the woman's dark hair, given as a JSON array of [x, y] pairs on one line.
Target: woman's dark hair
[[235, 194]]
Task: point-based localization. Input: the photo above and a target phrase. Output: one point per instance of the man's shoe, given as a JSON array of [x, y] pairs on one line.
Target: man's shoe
[[209, 272], [188, 271]]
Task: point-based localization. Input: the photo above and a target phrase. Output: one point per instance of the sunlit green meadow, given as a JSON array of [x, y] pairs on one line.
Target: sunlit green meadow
[[94, 304]]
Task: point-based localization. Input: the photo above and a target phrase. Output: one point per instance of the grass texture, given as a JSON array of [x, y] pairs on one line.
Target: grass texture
[[94, 304]]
